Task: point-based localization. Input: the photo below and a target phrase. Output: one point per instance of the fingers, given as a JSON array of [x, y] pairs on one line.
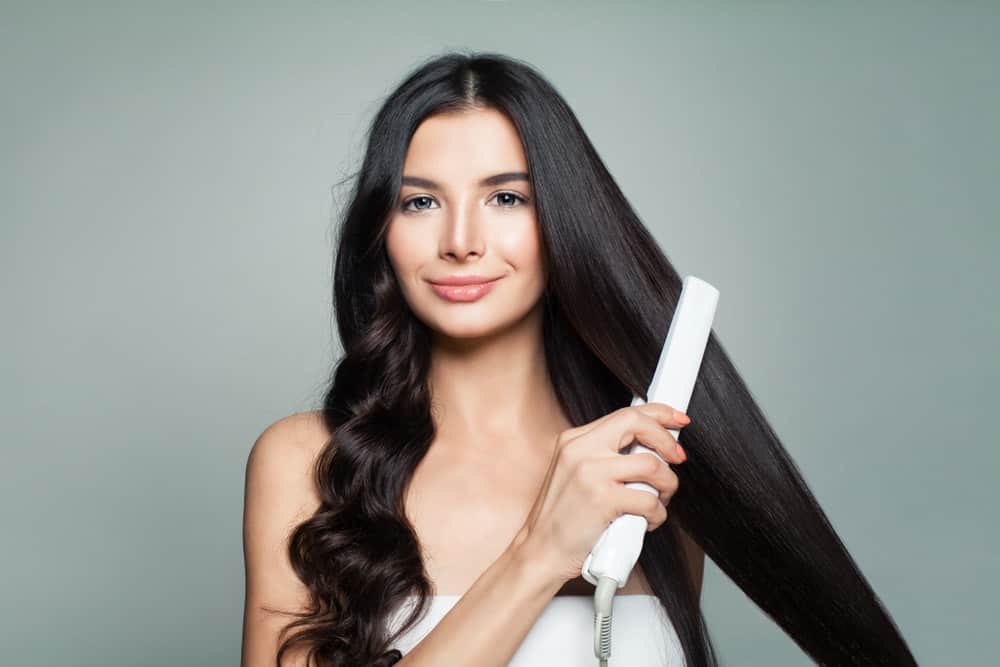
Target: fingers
[[642, 467], [665, 414], [648, 424], [641, 503], [605, 477], [661, 412]]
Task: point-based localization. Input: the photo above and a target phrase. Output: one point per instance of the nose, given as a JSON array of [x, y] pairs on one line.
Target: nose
[[462, 233]]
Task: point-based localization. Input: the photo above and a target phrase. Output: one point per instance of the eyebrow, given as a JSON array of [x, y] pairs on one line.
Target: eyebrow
[[496, 179]]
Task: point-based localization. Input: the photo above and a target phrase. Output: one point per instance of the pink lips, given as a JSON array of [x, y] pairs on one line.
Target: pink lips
[[467, 292]]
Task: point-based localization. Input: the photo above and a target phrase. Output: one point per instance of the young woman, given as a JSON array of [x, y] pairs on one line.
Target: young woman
[[467, 450]]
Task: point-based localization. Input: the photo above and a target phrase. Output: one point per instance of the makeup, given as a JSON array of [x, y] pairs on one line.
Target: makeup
[[464, 293]]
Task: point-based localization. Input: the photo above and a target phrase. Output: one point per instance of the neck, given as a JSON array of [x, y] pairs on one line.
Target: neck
[[495, 389]]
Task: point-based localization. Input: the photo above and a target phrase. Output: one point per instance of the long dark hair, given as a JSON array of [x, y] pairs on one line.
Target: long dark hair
[[608, 302]]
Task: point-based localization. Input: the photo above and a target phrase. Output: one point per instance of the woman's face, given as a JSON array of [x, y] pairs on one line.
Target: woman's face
[[452, 222]]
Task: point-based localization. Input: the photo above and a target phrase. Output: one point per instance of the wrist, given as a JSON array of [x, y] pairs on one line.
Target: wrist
[[532, 566]]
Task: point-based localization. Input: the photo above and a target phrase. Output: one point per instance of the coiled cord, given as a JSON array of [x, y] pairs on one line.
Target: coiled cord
[[604, 596]]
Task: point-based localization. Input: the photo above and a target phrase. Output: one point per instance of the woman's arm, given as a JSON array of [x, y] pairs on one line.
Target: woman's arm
[[278, 495], [488, 623], [484, 628]]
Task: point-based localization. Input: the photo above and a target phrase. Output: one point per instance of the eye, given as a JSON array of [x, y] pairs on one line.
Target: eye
[[510, 197], [406, 204], [517, 197]]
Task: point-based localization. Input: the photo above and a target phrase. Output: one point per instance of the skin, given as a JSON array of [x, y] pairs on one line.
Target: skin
[[495, 408], [488, 377]]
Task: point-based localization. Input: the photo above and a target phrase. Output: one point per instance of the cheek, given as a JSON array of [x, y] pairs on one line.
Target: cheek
[[395, 248], [521, 245], [400, 247]]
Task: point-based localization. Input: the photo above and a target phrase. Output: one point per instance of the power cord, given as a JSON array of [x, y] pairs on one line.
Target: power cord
[[604, 596]]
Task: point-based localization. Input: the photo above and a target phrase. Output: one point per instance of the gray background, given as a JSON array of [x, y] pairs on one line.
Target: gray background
[[166, 256]]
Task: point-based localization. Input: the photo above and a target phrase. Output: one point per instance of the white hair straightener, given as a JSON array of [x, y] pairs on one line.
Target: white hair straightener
[[614, 555]]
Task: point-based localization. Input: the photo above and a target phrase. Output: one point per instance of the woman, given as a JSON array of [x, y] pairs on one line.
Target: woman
[[468, 443]]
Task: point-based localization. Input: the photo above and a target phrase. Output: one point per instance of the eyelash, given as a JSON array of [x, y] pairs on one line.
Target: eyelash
[[404, 206]]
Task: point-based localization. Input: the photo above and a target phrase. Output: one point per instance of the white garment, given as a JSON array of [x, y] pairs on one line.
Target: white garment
[[641, 632]]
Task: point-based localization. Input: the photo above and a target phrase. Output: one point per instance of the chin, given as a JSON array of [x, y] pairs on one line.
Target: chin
[[473, 323], [470, 331]]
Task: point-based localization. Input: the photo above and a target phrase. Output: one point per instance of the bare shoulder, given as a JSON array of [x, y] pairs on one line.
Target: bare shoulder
[[303, 431], [282, 458], [279, 494]]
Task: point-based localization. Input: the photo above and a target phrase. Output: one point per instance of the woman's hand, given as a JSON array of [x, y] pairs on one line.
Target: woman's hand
[[584, 489]]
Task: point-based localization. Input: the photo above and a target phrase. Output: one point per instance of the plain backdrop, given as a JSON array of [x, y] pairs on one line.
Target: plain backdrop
[[166, 252]]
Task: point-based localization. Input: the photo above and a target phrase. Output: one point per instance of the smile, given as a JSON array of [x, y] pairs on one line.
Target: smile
[[464, 292]]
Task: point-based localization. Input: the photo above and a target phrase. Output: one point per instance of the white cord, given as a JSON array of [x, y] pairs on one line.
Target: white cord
[[604, 596]]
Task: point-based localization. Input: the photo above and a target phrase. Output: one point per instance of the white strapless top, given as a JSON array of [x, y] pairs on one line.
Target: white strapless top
[[641, 632]]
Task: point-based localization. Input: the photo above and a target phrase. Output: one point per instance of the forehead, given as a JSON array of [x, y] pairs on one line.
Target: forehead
[[463, 146]]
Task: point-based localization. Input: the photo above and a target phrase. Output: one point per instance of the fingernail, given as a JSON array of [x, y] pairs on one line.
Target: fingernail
[[681, 451], [682, 417]]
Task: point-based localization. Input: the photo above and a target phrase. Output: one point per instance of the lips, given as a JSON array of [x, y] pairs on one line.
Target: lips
[[464, 280], [464, 291]]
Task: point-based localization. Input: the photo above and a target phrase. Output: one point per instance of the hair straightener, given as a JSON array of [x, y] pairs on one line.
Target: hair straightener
[[614, 555]]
